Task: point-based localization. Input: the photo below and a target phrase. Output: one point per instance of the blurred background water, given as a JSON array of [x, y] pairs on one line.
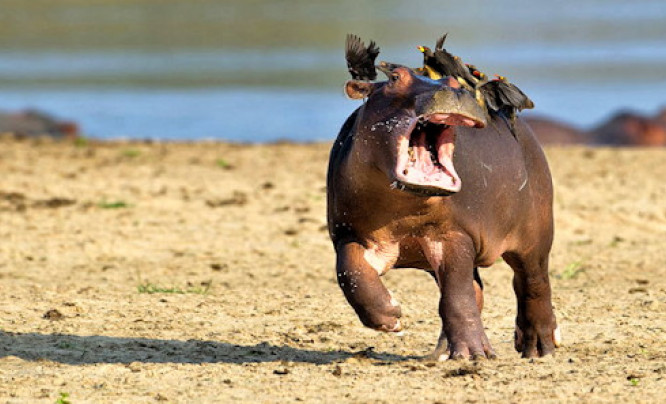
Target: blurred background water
[[258, 70]]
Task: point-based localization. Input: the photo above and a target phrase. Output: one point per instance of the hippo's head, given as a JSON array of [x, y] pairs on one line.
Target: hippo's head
[[405, 129]]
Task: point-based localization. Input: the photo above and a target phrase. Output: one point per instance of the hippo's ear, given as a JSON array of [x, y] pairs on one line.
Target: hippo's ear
[[357, 89]]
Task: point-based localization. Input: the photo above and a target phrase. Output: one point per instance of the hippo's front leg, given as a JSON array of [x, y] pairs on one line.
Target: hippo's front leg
[[364, 290], [462, 334]]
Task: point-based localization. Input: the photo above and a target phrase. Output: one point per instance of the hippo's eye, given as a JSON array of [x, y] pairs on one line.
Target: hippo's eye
[[395, 76]]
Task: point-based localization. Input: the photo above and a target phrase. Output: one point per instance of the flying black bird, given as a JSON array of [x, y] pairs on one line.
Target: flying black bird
[[504, 97], [361, 60]]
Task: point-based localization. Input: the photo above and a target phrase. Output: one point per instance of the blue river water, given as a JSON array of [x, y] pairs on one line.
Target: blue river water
[[578, 61]]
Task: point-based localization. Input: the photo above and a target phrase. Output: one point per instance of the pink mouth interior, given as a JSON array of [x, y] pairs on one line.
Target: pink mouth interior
[[425, 156]]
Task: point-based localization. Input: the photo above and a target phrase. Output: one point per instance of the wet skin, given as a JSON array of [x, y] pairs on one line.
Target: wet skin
[[500, 206]]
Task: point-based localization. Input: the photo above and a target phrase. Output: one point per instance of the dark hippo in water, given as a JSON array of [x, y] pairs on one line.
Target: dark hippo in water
[[627, 128], [36, 123], [624, 128], [419, 177]]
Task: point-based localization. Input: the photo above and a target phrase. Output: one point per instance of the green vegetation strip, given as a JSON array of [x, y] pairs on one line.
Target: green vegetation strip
[[151, 288]]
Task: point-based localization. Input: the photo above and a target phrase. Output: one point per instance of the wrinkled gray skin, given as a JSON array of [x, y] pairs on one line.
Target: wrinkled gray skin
[[503, 209]]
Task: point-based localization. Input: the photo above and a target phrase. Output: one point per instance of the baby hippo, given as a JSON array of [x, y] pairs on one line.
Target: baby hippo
[[421, 177]]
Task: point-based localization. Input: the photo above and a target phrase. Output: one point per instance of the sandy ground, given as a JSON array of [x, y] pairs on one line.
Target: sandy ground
[[232, 239]]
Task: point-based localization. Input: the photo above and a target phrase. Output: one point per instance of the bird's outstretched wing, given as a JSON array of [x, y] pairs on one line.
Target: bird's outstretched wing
[[361, 59], [440, 42]]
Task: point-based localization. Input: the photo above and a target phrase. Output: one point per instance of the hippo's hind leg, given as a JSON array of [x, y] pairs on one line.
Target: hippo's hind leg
[[460, 305], [364, 290], [536, 328]]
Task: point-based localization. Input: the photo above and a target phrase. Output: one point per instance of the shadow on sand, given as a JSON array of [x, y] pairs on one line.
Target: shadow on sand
[[77, 350]]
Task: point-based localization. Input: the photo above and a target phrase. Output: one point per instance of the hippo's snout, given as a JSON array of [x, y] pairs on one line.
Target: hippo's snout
[[453, 103], [413, 116], [424, 162]]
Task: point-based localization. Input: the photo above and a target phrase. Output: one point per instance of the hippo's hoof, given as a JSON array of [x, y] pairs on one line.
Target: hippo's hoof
[[446, 355], [386, 318], [382, 317], [397, 327], [475, 350], [474, 346], [537, 343], [383, 323]]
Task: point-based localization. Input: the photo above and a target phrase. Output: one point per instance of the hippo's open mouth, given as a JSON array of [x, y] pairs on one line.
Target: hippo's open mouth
[[425, 155]]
